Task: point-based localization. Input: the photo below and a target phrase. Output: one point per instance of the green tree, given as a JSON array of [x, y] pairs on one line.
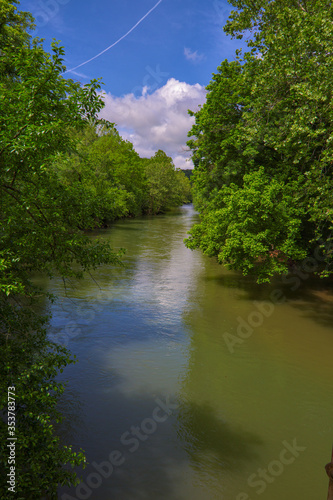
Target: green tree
[[262, 142], [116, 160], [183, 189], [108, 169], [117, 182], [167, 187], [40, 220]]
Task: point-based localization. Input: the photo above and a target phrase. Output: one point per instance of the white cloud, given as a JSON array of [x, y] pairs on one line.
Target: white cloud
[[193, 56], [157, 121]]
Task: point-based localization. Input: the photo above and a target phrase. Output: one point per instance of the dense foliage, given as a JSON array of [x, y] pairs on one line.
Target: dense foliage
[[110, 172], [262, 144], [61, 171], [166, 186], [39, 232]]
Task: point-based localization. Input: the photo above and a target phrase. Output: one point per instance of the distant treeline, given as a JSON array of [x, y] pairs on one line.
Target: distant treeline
[[115, 181], [188, 172]]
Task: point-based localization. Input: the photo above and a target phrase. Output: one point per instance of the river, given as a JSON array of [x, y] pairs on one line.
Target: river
[[193, 382]]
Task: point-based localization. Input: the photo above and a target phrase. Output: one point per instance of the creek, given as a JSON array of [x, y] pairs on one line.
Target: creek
[[194, 382]]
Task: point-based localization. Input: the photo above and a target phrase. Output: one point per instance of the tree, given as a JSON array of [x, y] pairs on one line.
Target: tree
[[40, 220], [116, 180], [167, 187], [108, 169], [262, 143]]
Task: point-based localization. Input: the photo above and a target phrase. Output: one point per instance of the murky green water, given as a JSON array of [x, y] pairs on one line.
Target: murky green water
[[194, 383]]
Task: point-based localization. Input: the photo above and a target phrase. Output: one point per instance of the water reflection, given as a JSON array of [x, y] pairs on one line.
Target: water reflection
[[274, 386], [157, 332], [213, 444]]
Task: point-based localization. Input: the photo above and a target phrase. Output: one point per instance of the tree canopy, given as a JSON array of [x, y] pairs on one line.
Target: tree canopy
[[262, 143], [166, 186], [121, 183]]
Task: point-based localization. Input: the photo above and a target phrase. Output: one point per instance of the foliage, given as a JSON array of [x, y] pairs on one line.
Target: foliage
[[30, 365], [167, 187], [40, 220], [109, 170], [104, 167], [262, 142], [187, 172]]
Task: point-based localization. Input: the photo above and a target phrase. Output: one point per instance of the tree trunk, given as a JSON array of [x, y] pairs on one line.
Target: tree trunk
[[329, 470]]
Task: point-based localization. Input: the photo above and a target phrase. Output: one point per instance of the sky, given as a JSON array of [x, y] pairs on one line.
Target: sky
[[155, 58]]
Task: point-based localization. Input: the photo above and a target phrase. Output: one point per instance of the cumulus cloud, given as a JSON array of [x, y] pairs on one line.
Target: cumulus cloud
[[193, 56], [158, 120]]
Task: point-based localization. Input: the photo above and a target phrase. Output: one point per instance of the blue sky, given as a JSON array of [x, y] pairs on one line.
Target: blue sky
[[155, 73]]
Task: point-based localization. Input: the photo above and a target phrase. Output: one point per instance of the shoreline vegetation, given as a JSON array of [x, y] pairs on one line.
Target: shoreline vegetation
[[107, 175], [262, 144]]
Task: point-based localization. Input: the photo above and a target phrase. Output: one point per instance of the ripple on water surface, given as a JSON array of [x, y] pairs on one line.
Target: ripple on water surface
[[159, 338]]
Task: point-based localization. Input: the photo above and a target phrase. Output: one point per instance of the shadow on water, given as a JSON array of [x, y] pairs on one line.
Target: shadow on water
[[317, 308], [70, 407], [311, 295], [233, 280], [154, 470], [147, 471], [206, 435]]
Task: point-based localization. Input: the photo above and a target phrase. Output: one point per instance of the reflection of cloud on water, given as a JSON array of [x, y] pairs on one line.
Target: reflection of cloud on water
[[167, 282], [146, 367], [147, 297]]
